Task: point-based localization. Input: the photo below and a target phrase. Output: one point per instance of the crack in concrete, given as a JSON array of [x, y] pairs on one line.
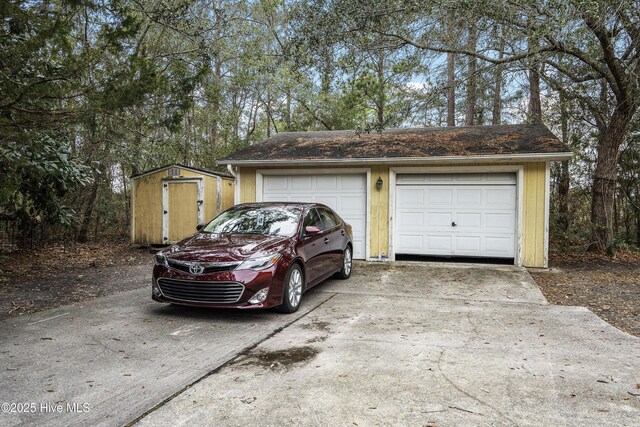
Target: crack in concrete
[[469, 395], [223, 365]]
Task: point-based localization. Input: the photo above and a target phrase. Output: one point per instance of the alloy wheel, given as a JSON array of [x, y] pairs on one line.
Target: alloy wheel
[[295, 288]]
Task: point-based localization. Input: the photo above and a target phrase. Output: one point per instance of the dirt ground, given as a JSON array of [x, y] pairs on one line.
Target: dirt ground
[[57, 275], [610, 287], [53, 276]]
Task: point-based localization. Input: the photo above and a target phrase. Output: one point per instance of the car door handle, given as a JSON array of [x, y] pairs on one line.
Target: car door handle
[[326, 240]]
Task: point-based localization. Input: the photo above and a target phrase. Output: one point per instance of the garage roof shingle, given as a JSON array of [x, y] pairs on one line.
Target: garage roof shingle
[[502, 140]]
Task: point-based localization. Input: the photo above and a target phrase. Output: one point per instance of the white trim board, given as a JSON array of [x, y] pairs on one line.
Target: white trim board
[[547, 200], [324, 171], [517, 169]]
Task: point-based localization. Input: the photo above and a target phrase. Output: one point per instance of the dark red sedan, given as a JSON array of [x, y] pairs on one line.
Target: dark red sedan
[[257, 255]]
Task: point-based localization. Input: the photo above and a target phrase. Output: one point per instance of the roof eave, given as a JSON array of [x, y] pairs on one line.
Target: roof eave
[[180, 166], [489, 158]]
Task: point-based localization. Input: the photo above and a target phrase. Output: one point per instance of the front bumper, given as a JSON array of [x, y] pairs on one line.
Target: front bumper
[[179, 287]]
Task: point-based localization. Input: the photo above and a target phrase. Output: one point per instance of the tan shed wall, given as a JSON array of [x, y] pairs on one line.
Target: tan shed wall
[[147, 217], [533, 210], [147, 203]]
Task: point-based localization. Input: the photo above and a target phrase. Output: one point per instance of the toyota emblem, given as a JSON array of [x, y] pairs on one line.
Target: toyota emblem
[[196, 269]]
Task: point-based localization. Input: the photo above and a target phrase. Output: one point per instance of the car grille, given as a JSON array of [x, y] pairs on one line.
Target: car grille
[[211, 267], [201, 291]]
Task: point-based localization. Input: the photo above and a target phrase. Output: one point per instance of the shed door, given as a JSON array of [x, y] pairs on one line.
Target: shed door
[[345, 194], [182, 210], [456, 215]]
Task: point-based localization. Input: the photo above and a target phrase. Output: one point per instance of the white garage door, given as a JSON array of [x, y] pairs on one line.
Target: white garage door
[[456, 215], [346, 194]]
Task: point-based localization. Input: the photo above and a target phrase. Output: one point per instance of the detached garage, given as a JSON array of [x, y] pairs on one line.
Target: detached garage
[[480, 191]]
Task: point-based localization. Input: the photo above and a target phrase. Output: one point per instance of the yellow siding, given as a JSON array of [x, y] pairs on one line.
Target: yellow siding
[[533, 215], [228, 187], [379, 212], [147, 203], [147, 210], [247, 185]]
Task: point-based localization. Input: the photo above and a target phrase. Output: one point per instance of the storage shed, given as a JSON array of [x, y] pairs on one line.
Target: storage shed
[[477, 191], [170, 201]]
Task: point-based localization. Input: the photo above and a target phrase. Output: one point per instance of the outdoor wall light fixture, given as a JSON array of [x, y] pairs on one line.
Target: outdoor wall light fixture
[[379, 183]]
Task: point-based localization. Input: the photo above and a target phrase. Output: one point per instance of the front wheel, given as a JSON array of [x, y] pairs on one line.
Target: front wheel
[[292, 290], [347, 264]]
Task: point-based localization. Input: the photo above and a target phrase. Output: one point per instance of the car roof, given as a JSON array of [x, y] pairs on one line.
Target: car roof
[[281, 204]]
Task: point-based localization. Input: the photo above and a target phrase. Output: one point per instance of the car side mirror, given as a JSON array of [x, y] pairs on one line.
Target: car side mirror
[[199, 227], [310, 230]]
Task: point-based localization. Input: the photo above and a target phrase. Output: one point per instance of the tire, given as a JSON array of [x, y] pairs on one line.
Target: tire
[[293, 287], [347, 264]]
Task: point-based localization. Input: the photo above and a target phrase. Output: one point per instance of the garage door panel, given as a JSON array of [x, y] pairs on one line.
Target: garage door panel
[[411, 197], [483, 206], [439, 197], [301, 183], [330, 201], [500, 197], [276, 197], [329, 182], [504, 221], [352, 182], [468, 220], [411, 220], [277, 183], [499, 246], [469, 197], [412, 242], [351, 204], [465, 245], [437, 220], [439, 244], [346, 194]]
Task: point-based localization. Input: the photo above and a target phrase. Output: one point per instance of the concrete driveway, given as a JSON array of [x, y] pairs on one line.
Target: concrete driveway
[[407, 344]]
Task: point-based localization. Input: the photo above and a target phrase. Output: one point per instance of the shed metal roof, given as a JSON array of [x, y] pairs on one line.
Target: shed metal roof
[[524, 142]]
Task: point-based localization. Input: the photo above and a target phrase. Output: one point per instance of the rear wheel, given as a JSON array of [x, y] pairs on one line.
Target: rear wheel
[[347, 264], [293, 284]]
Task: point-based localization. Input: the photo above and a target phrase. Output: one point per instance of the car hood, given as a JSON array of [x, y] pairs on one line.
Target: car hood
[[210, 247]]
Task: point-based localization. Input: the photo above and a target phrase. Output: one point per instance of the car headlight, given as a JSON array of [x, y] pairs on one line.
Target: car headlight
[[161, 259], [260, 263]]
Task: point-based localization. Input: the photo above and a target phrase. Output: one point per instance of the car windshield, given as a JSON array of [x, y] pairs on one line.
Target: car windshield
[[274, 221]]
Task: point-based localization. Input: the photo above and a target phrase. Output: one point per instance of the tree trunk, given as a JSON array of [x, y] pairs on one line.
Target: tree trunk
[[288, 112], [215, 103], [88, 210], [380, 103], [564, 180], [604, 177], [451, 79], [496, 116], [637, 228], [535, 106], [471, 76]]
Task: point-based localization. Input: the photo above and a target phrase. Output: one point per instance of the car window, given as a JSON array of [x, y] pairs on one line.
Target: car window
[[328, 219], [274, 221], [313, 220]]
